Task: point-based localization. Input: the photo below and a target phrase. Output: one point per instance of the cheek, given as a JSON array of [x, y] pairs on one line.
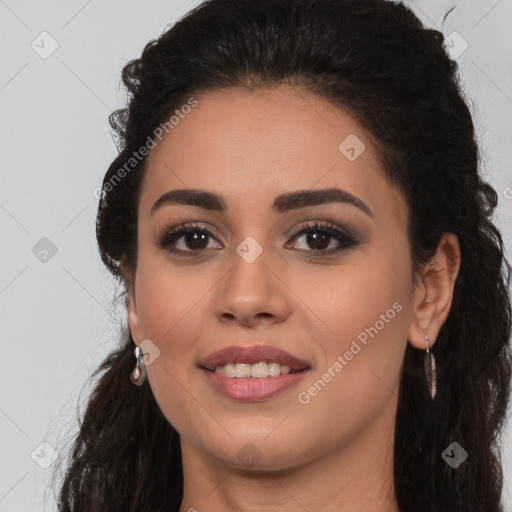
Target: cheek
[[169, 302], [364, 314], [172, 307], [344, 301]]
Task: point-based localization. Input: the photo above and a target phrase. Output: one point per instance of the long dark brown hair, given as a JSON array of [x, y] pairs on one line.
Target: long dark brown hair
[[375, 60]]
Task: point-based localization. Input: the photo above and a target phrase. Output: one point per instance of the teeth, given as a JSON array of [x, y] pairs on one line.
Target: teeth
[[229, 370], [242, 370], [274, 369], [285, 370], [259, 370]]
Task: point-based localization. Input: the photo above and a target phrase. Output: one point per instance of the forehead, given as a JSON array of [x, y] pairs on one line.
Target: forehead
[[250, 146]]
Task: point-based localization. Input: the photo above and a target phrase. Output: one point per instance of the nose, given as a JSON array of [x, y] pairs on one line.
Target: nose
[[253, 291]]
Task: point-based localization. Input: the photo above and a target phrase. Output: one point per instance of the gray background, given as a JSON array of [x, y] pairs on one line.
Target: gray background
[[57, 317]]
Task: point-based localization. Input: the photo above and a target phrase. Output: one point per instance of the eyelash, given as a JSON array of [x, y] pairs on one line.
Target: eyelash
[[347, 238]]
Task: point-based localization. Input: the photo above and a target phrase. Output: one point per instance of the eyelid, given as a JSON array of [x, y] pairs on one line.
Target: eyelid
[[320, 225], [346, 236], [180, 230]]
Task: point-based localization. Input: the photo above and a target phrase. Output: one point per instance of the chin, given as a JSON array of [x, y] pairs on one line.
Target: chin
[[255, 452]]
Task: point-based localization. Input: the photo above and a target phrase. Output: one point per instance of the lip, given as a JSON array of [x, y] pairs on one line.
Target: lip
[[252, 390], [252, 355], [249, 389]]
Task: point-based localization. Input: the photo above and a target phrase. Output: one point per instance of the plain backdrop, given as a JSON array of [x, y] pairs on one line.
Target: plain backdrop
[[59, 80]]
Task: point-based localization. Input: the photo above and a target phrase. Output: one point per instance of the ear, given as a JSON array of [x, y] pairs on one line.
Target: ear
[[434, 292], [131, 308]]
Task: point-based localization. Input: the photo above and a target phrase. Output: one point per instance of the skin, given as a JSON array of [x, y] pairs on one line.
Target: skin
[[335, 452]]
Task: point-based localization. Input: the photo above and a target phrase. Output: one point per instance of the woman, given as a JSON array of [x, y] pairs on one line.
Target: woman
[[316, 295]]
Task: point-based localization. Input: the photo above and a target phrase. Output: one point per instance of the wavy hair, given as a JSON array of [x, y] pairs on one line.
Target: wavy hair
[[375, 60]]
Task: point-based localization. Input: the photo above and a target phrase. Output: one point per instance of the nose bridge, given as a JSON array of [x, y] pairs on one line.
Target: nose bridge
[[250, 264]]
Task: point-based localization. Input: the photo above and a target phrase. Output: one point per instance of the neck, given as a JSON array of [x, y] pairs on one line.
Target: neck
[[355, 477]]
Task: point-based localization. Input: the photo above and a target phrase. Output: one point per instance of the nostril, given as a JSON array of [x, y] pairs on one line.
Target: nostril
[[264, 315]]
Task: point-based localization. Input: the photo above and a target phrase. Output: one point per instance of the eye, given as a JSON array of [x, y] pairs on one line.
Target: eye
[[195, 239], [320, 238]]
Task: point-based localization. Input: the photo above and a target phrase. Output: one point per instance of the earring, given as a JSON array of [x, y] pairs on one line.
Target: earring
[[138, 375], [430, 370]]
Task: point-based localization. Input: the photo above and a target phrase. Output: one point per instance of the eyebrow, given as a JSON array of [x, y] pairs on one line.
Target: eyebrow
[[282, 203]]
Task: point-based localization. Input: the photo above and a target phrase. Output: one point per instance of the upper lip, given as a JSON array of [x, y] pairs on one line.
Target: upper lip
[[251, 355]]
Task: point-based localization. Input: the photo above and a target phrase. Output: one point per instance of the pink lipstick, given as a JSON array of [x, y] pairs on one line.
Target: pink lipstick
[[252, 373]]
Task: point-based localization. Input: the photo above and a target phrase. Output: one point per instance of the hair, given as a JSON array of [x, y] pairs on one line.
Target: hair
[[376, 61]]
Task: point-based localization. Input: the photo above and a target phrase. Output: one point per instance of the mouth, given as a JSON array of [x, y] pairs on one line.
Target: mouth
[[253, 373]]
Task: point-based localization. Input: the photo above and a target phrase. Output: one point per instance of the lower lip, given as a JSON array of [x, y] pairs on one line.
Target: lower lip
[[250, 390]]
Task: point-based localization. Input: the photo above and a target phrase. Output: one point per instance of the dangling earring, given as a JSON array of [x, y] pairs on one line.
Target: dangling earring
[[430, 370], [138, 375]]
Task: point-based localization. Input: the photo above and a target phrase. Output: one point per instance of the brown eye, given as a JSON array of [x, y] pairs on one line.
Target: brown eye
[[195, 239], [320, 238]]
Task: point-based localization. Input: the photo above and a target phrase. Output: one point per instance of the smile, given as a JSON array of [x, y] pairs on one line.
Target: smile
[[251, 373]]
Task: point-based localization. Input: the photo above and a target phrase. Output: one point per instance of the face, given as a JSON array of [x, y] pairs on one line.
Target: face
[[338, 298]]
